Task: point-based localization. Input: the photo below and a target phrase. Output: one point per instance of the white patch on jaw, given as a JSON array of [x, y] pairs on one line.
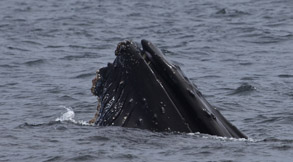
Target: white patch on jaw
[[109, 104]]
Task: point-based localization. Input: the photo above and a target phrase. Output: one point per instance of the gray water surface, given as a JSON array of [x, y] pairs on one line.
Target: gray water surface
[[239, 54]]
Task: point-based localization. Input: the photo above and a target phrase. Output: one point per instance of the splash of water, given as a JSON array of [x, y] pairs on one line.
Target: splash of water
[[69, 115], [222, 138]]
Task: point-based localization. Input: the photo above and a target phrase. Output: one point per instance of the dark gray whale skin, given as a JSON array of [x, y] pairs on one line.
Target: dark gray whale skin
[[141, 89]]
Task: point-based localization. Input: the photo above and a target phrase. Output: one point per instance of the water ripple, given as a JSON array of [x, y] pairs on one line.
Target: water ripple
[[36, 62], [285, 76], [244, 89], [18, 49], [231, 13], [87, 75]]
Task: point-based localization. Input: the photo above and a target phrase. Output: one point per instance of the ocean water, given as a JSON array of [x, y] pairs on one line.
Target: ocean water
[[239, 54]]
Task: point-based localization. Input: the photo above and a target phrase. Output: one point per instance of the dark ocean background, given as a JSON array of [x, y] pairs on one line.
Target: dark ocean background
[[238, 52]]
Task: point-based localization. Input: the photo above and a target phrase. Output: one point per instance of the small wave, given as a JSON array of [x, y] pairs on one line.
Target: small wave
[[18, 49], [231, 13], [248, 78], [83, 158], [4, 25], [30, 125], [54, 46], [54, 90], [69, 115], [78, 46], [273, 139], [19, 20], [285, 76], [210, 76], [81, 56], [54, 158], [32, 42], [86, 75], [8, 66], [66, 98], [290, 94], [245, 63], [35, 62], [244, 89]]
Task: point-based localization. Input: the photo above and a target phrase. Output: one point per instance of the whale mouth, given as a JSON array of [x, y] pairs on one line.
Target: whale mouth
[[149, 53], [130, 56], [141, 89], [148, 56]]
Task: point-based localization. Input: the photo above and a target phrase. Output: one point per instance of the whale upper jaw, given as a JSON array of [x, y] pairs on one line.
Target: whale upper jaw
[[142, 89]]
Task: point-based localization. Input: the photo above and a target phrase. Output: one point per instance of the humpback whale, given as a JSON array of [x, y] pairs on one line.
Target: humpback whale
[[141, 89]]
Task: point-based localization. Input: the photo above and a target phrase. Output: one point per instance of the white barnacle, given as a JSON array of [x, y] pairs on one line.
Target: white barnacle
[[163, 110]]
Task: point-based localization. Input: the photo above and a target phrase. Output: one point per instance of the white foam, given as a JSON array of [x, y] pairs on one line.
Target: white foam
[[222, 138], [233, 139], [69, 115]]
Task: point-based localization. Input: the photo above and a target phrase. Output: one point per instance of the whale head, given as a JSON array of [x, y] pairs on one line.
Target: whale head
[[141, 89]]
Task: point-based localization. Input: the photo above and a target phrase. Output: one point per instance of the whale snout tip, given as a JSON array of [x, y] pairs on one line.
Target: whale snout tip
[[122, 46]]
